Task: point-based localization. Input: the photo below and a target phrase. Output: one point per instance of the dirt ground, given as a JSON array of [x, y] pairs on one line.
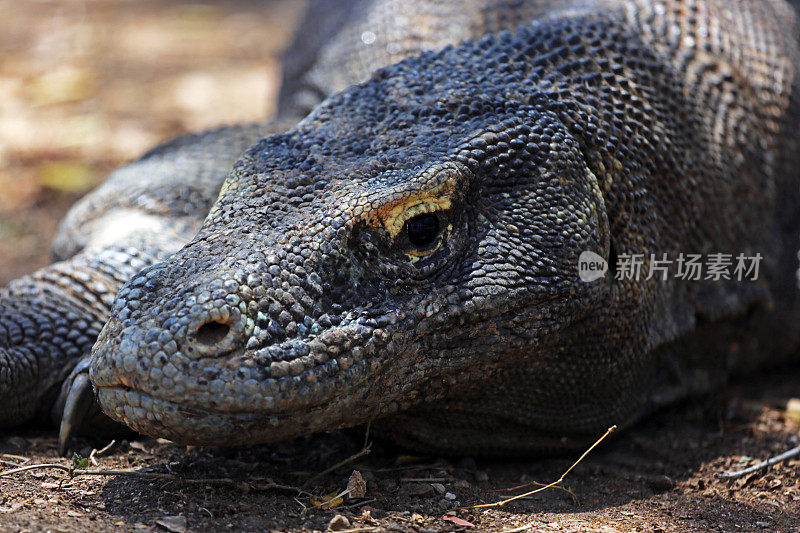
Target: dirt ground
[[85, 86], [659, 476]]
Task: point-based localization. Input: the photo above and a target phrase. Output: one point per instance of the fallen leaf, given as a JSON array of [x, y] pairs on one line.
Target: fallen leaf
[[66, 176], [793, 409], [356, 485], [328, 501], [175, 524], [408, 459], [458, 521]]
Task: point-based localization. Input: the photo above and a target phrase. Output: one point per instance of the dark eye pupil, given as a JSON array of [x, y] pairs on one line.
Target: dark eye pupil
[[422, 229]]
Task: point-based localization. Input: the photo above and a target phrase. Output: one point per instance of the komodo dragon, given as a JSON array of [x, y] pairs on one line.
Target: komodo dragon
[[408, 253]]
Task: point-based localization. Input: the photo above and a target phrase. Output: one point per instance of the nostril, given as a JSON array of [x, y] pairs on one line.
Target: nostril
[[212, 332]]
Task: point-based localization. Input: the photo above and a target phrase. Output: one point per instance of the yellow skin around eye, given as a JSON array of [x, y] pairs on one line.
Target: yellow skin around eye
[[431, 191], [395, 218], [399, 215], [394, 215]]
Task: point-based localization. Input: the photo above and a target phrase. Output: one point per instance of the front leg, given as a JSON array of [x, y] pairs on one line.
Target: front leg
[[50, 319]]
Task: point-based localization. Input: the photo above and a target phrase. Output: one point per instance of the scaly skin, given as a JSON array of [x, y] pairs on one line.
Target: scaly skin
[[310, 299], [151, 207], [408, 253]]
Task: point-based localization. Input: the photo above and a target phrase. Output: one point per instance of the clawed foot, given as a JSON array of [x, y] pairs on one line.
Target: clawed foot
[[77, 411]]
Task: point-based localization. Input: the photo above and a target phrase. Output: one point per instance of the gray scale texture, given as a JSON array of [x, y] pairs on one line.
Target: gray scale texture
[[523, 133]]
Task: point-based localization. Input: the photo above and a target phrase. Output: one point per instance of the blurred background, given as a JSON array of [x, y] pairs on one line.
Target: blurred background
[[86, 85]]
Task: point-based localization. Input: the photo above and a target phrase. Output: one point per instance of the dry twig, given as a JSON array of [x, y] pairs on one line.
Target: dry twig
[[549, 485], [538, 484], [736, 474], [107, 447], [364, 451], [261, 484], [15, 457], [101, 451]]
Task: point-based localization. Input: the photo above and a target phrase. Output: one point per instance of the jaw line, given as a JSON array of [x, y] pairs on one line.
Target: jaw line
[[188, 425], [159, 417]]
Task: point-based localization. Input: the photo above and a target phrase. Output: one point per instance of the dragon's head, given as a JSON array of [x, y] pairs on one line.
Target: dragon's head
[[415, 235]]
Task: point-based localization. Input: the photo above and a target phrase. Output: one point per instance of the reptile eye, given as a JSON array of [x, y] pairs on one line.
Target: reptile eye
[[422, 230]]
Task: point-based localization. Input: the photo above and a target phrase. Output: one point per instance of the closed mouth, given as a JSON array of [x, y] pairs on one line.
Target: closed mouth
[[159, 417], [187, 425]]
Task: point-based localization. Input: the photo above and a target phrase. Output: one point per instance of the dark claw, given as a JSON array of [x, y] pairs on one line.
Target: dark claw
[[77, 412], [78, 402]]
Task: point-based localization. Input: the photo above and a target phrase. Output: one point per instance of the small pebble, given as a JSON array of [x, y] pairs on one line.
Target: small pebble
[[461, 484], [439, 488], [660, 483], [339, 523], [418, 489]]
